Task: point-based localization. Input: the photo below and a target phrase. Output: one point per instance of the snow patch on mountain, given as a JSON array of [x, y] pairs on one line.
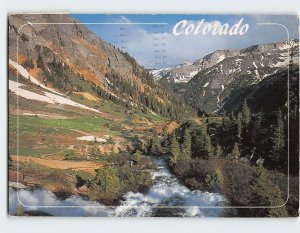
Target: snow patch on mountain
[[255, 65], [48, 97], [26, 75], [159, 73], [222, 57], [206, 84]]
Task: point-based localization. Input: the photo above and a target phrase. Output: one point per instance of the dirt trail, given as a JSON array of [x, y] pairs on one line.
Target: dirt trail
[[61, 164], [82, 132]]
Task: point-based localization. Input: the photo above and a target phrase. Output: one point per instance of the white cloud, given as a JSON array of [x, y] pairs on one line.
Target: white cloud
[[165, 49], [155, 50]]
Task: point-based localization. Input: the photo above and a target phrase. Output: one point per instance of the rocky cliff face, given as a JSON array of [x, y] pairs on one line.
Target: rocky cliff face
[[183, 73], [56, 50], [69, 42]]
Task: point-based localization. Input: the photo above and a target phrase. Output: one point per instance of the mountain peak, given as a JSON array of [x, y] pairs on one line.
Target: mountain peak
[[218, 73]]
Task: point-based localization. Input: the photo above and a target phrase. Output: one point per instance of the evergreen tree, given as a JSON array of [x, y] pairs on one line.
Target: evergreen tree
[[277, 139], [265, 193], [226, 137], [218, 151], [206, 146], [175, 150], [155, 145], [232, 117], [226, 124], [246, 114], [235, 153], [40, 62], [28, 63], [186, 146], [107, 179], [294, 130], [257, 131], [239, 128]]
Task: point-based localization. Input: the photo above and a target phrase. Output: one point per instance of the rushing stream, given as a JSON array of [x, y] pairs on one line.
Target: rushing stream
[[167, 197]]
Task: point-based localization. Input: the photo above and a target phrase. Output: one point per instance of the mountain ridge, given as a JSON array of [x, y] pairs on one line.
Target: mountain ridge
[[224, 70], [171, 73], [50, 50]]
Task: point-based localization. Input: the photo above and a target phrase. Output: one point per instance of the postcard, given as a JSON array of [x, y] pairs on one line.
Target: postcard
[[153, 115]]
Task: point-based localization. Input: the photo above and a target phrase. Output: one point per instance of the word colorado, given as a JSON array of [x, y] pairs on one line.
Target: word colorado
[[215, 28]]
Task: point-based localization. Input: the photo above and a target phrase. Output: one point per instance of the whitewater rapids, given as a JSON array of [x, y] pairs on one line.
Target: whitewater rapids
[[167, 197]]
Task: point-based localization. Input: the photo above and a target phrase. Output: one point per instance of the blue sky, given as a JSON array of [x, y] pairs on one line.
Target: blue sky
[[155, 46]]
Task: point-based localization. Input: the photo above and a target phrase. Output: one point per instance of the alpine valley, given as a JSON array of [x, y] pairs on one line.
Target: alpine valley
[[91, 129]]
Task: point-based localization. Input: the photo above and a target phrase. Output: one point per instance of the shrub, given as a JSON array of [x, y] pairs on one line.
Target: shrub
[[215, 180], [200, 168], [20, 211], [237, 177], [193, 183], [94, 151], [110, 183], [71, 155], [118, 158], [107, 180], [182, 168]]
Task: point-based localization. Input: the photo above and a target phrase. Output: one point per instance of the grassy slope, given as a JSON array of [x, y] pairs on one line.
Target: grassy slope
[[38, 136], [54, 138]]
